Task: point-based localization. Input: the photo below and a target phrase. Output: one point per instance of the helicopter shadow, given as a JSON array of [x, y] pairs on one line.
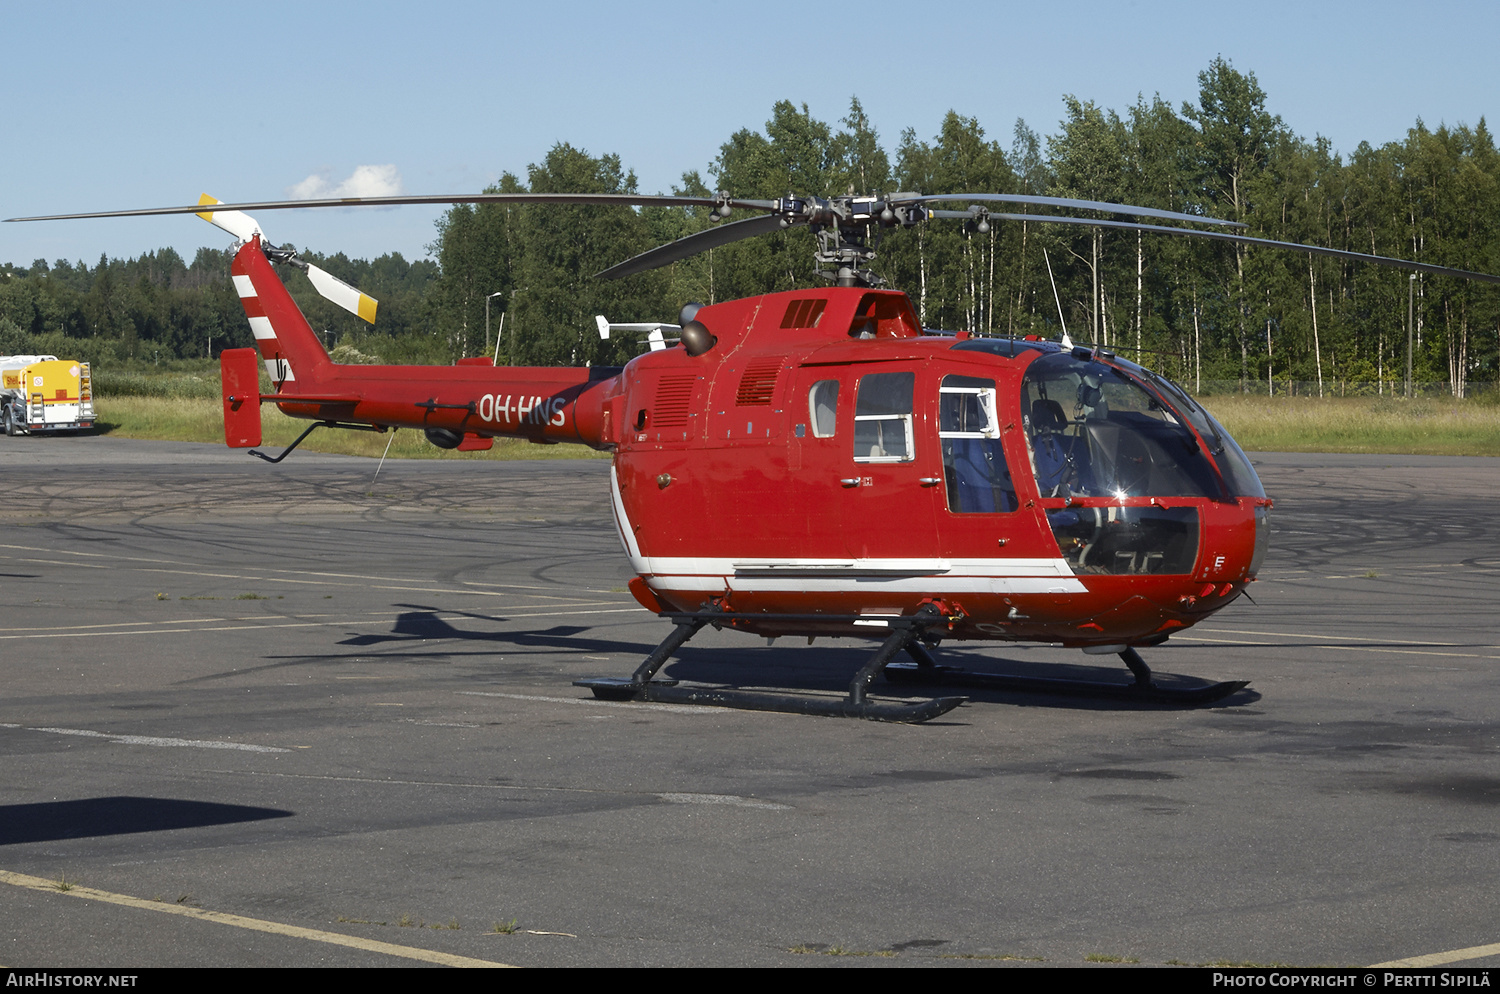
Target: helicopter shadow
[[818, 668], [92, 817], [1111, 674], [830, 669], [421, 623]]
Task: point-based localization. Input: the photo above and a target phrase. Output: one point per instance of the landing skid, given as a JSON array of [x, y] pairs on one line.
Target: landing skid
[[904, 634], [925, 671]]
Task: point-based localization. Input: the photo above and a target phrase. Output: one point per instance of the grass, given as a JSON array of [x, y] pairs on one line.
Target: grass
[[183, 406], [819, 950], [407, 921], [1105, 958], [504, 928], [841, 951], [197, 419], [1230, 964], [1360, 424], [202, 382]]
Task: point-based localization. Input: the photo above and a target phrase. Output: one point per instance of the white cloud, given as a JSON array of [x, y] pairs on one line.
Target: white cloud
[[365, 181]]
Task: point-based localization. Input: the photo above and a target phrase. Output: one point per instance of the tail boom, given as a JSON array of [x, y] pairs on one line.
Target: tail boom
[[538, 403]]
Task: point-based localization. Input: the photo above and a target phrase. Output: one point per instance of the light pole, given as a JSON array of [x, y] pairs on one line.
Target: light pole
[[510, 354], [487, 300], [1411, 323]]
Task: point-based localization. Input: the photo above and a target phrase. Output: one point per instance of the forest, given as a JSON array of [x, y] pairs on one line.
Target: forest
[[1214, 316]]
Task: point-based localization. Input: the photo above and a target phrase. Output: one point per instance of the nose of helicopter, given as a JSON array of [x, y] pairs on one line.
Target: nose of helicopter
[[1233, 541]]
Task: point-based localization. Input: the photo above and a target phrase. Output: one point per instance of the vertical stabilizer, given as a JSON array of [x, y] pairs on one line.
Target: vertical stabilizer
[[291, 352]]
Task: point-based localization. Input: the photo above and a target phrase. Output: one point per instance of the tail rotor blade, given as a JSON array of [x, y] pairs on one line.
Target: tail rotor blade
[[237, 223], [361, 305]]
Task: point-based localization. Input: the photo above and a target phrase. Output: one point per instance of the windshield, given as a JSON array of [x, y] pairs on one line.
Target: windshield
[[1094, 432], [1233, 463]]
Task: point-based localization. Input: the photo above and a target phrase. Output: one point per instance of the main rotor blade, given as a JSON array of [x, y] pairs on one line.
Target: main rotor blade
[[1224, 236], [587, 199], [1077, 205], [702, 241]]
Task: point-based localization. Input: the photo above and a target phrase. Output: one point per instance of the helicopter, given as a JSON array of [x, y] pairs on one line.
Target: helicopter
[[816, 463]]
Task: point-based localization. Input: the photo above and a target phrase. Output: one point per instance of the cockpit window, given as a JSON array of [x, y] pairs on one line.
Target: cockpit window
[[1238, 473], [1095, 433], [1008, 347], [1126, 540], [823, 406], [882, 418], [974, 467]]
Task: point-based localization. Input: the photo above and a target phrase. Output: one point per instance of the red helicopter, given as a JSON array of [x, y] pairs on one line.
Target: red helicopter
[[816, 463]]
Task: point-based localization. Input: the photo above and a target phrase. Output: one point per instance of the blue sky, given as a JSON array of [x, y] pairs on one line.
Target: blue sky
[[115, 106]]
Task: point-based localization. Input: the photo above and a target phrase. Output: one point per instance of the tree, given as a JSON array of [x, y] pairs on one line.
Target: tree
[[1235, 134], [1088, 163]]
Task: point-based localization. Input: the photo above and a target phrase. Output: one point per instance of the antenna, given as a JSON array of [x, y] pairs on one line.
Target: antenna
[[1067, 342]]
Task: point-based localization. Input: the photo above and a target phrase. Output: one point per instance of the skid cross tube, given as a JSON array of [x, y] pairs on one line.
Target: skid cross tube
[[905, 633], [685, 630]]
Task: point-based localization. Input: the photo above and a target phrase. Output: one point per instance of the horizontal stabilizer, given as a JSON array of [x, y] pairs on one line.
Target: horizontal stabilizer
[[309, 398], [655, 330]]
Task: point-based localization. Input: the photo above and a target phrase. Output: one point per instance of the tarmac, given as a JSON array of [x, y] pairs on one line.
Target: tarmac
[[300, 715]]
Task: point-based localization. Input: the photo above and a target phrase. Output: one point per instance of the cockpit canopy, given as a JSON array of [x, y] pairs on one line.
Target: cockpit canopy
[[1102, 427]]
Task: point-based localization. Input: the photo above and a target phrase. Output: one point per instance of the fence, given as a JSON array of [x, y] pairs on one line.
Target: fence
[[1432, 390]]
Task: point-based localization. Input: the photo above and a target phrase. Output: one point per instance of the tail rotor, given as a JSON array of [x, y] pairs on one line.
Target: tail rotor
[[245, 228]]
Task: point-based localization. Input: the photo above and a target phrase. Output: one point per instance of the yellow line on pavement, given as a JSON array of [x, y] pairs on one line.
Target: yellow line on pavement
[[239, 921], [1451, 956]]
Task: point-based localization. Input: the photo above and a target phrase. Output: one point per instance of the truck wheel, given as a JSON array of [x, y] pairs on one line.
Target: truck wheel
[[10, 422]]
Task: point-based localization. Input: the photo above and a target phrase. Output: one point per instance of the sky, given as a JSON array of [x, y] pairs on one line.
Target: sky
[[148, 104]]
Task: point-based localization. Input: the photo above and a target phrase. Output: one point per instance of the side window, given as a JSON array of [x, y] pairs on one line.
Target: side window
[[882, 418], [974, 465], [822, 407]]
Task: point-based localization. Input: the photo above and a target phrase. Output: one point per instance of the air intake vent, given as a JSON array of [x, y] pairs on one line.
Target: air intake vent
[[674, 397], [803, 313], [758, 383]]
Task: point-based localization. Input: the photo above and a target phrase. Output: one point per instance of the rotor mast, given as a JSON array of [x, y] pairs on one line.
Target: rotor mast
[[849, 230]]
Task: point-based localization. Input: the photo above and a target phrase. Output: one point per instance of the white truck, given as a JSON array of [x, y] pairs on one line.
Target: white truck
[[40, 393]]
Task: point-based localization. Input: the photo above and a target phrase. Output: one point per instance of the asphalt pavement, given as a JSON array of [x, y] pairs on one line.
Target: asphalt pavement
[[299, 715]]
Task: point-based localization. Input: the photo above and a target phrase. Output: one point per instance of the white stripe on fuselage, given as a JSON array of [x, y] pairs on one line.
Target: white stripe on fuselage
[[750, 574], [622, 522], [997, 577], [243, 286], [261, 328]]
